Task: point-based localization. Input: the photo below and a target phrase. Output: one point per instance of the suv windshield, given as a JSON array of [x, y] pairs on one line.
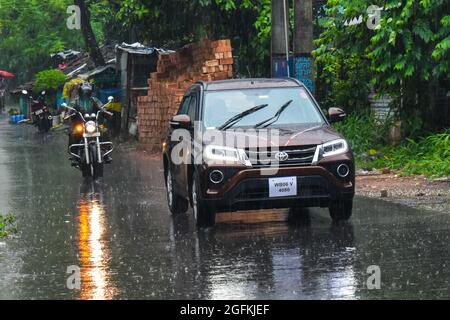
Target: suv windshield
[[221, 106]]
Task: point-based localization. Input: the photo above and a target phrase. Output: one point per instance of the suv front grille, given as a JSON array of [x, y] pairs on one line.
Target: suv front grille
[[298, 156]]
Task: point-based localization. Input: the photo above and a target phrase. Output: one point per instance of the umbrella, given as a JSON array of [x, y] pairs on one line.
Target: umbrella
[[6, 74]]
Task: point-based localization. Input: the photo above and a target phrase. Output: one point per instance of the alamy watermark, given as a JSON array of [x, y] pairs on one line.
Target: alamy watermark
[[74, 20], [214, 147], [373, 18], [374, 280], [74, 280]]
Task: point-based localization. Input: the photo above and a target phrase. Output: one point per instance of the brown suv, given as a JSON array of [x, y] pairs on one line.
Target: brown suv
[[256, 144]]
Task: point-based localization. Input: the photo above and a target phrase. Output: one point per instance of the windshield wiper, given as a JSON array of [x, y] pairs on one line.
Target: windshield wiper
[[276, 117], [240, 116]]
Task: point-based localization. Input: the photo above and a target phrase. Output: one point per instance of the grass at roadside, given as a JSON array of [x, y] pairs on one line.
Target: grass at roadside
[[7, 225], [428, 155]]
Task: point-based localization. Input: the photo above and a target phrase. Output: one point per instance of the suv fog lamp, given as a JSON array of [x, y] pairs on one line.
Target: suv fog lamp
[[216, 176], [343, 171]]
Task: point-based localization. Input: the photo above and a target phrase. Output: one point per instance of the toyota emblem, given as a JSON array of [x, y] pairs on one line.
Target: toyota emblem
[[281, 156]]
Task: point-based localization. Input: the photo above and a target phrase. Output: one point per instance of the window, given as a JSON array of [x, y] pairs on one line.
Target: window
[[192, 107], [221, 106], [184, 106]]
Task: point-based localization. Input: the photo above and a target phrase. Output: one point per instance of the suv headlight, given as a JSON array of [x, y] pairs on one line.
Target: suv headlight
[[221, 155], [91, 127], [334, 148]]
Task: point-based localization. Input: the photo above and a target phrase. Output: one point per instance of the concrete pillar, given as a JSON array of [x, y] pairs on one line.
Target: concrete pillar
[[303, 42], [278, 33]]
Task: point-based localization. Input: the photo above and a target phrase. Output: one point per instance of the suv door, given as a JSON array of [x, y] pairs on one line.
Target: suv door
[[178, 170], [183, 176]]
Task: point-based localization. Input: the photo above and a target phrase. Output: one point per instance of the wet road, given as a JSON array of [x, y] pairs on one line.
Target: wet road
[[127, 246]]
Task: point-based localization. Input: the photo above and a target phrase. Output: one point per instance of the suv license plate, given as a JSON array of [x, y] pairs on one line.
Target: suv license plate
[[282, 187]]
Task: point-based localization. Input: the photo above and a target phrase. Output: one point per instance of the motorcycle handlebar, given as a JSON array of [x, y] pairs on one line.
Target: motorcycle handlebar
[[102, 109], [64, 105], [107, 112]]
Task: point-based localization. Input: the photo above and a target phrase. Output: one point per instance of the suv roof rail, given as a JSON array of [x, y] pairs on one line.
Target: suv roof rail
[[265, 82]]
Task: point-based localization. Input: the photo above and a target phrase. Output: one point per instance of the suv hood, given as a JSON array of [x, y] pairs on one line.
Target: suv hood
[[305, 135]]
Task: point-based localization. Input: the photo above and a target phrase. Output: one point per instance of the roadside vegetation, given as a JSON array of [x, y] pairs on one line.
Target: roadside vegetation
[[406, 58], [427, 154], [7, 225]]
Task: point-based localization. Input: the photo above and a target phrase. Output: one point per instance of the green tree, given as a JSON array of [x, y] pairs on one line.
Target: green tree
[[30, 31], [51, 79], [407, 55], [90, 39]]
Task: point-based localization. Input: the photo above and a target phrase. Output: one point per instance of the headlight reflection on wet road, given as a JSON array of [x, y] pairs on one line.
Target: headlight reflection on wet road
[[94, 253]]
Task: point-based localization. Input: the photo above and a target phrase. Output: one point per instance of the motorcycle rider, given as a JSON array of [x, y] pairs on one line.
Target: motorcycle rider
[[85, 103]]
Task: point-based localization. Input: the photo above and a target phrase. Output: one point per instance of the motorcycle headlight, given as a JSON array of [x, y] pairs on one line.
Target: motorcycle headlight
[[334, 148], [222, 155], [91, 127]]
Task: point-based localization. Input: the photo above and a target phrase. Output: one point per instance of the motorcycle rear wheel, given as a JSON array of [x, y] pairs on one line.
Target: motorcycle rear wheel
[[40, 125]]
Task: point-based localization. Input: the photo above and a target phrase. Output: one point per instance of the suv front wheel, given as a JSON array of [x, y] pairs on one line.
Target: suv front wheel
[[203, 215], [176, 203], [341, 210]]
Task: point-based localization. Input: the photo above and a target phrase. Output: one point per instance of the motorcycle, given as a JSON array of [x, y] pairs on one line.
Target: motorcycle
[[91, 153], [41, 116]]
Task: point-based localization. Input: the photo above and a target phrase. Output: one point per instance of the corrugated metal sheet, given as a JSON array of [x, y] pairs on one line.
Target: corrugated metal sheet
[[138, 48]]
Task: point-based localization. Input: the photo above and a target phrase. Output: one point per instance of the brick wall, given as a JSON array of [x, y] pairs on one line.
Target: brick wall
[[206, 60]]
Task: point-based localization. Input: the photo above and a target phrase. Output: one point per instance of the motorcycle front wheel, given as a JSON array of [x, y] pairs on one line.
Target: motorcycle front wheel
[[85, 170], [95, 167], [98, 171], [48, 126]]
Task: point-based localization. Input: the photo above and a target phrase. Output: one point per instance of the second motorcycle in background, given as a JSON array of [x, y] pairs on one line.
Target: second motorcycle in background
[[41, 116]]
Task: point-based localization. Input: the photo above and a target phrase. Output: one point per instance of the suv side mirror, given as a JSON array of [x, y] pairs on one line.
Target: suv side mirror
[[336, 115], [180, 121]]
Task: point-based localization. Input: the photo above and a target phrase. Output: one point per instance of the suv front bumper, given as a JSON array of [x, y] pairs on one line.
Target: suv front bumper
[[249, 189]]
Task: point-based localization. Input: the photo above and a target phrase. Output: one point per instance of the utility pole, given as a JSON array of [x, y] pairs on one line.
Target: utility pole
[[303, 42], [280, 48]]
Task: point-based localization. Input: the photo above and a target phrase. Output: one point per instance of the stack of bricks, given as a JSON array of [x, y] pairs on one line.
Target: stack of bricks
[[176, 72]]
